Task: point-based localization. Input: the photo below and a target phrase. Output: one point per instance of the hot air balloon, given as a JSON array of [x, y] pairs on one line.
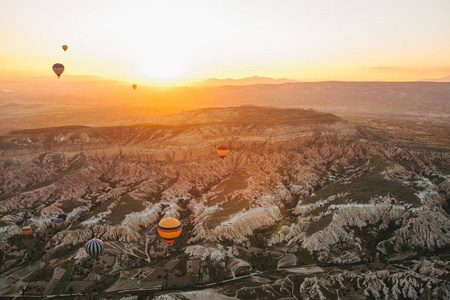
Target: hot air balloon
[[134, 86], [59, 221], [64, 47], [151, 235], [94, 248], [222, 151], [285, 230], [27, 230], [58, 69], [169, 229]]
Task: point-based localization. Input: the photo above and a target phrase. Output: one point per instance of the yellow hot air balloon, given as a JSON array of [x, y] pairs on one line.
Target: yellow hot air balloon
[[134, 86], [222, 151], [64, 47], [27, 230], [169, 229]]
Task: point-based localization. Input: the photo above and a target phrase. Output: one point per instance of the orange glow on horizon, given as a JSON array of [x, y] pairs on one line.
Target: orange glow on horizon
[[178, 42]]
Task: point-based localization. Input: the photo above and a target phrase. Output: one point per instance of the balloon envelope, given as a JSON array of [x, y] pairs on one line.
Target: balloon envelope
[[59, 221], [222, 151], [151, 233], [169, 229], [94, 248], [27, 230], [285, 230], [58, 69], [65, 47], [134, 86]]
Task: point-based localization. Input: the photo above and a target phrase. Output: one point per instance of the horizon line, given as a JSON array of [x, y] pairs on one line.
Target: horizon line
[[196, 82]]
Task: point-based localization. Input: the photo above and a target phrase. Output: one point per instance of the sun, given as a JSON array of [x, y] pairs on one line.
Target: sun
[[162, 68]]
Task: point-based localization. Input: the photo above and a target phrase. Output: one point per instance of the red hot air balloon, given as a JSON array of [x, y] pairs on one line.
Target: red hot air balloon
[[222, 151], [58, 69]]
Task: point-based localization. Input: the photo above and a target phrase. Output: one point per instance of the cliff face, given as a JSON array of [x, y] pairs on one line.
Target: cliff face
[[348, 194], [409, 284]]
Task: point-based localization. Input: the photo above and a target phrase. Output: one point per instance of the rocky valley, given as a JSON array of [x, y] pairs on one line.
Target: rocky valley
[[368, 211]]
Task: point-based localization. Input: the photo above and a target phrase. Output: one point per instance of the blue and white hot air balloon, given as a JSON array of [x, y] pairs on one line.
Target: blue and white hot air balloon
[[94, 248]]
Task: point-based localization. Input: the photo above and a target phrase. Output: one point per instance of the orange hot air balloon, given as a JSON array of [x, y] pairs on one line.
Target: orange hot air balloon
[[134, 86], [27, 230], [169, 229], [64, 47], [58, 69], [222, 151]]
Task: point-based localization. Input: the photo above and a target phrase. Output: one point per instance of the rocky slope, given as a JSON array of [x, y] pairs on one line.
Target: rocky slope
[[351, 196]]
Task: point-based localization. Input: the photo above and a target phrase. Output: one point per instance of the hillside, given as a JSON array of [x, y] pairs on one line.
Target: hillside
[[41, 102], [368, 217]]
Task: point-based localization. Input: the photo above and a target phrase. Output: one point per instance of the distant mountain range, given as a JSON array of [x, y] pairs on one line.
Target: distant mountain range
[[243, 81], [443, 79], [107, 102]]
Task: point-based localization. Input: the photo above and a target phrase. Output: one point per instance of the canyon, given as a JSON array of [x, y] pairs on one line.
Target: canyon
[[368, 211]]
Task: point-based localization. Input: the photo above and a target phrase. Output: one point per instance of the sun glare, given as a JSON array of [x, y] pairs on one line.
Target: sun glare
[[161, 69], [161, 41]]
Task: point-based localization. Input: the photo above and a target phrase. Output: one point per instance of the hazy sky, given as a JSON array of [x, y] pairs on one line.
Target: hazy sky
[[181, 40]]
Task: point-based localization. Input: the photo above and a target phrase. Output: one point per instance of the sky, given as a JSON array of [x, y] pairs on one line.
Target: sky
[[178, 41]]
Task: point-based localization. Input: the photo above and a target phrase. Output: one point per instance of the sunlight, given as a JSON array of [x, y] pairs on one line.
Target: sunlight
[[224, 149], [161, 69], [176, 40]]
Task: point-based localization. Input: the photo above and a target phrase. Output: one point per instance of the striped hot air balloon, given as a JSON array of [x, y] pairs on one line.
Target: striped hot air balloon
[[222, 151], [94, 248], [27, 230], [169, 229], [58, 69]]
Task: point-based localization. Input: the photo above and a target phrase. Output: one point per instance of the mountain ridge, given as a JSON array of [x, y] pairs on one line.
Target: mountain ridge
[[253, 80], [441, 79]]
